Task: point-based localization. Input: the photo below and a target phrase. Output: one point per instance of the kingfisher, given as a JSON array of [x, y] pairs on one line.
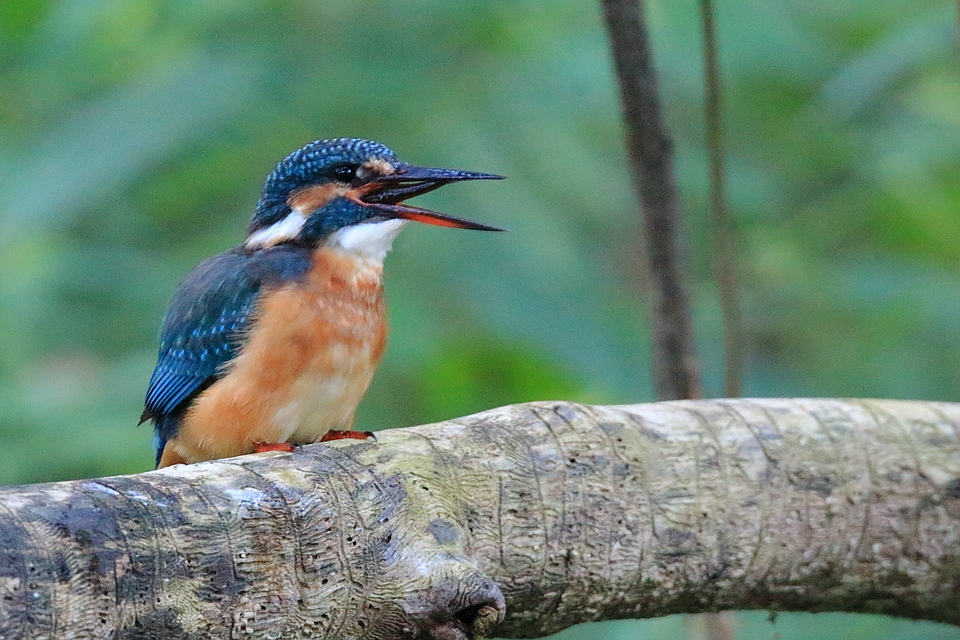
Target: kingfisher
[[273, 343]]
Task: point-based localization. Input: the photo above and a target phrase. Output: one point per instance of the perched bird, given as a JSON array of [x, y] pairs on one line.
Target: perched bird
[[274, 342]]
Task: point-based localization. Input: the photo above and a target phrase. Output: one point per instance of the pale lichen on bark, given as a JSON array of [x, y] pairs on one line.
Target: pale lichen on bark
[[554, 513]]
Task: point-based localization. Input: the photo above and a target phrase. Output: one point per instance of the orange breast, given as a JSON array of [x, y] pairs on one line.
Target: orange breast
[[308, 361]]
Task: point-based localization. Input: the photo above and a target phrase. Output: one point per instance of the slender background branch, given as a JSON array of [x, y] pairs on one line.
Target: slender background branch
[[650, 152], [722, 232]]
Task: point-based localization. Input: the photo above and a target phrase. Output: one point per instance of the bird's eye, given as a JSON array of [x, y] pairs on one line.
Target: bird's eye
[[345, 172]]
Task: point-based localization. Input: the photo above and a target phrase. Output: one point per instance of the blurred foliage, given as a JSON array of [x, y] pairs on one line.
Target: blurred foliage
[[135, 135]]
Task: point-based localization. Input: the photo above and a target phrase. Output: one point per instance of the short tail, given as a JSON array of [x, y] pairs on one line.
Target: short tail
[[160, 443]]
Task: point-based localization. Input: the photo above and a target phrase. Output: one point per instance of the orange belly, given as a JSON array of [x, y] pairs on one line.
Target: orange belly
[[307, 362]]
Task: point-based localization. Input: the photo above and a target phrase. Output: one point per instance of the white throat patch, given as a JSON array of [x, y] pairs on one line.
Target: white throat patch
[[371, 240], [285, 229]]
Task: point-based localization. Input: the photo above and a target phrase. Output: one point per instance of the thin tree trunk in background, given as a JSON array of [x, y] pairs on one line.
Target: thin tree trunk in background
[[516, 522], [650, 152], [724, 244]]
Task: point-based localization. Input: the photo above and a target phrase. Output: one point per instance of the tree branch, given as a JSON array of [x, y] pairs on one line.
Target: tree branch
[[555, 513]]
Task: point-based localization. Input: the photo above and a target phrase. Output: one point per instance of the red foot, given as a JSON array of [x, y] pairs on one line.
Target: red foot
[[344, 435], [260, 447]]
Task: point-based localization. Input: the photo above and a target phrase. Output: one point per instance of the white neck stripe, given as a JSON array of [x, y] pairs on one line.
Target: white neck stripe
[[286, 229]]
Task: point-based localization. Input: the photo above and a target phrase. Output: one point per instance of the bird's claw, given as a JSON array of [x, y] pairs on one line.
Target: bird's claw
[[261, 447], [334, 434]]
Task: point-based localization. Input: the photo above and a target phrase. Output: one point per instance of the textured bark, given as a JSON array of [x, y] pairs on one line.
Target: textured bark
[[555, 513]]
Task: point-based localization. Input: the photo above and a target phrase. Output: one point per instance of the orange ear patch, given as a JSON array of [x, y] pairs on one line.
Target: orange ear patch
[[311, 198]]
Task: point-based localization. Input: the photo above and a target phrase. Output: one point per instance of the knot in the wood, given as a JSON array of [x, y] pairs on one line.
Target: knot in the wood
[[441, 593], [458, 603]]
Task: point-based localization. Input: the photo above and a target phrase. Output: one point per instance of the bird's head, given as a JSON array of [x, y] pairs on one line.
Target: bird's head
[[349, 192]]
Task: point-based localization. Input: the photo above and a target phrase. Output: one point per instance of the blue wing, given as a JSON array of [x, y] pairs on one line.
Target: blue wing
[[205, 327], [193, 346], [201, 332]]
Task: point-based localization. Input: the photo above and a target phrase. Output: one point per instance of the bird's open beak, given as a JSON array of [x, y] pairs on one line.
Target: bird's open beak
[[386, 194]]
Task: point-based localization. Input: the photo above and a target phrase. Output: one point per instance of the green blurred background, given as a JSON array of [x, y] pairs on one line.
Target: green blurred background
[[135, 136]]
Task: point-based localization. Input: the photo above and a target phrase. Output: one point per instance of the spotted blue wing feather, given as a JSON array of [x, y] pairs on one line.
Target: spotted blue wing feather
[[206, 326], [190, 358]]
